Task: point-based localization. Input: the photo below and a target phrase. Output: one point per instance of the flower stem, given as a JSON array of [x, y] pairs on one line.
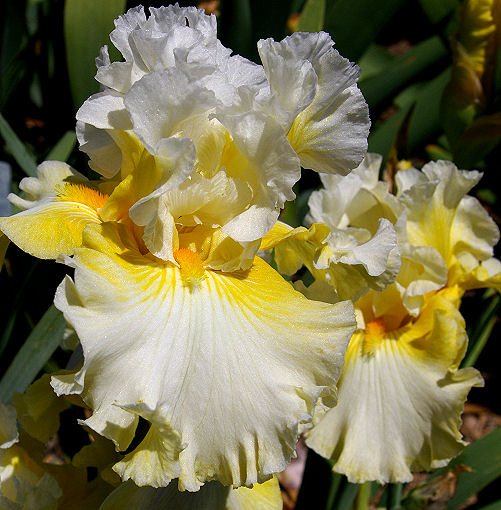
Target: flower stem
[[363, 497], [394, 496]]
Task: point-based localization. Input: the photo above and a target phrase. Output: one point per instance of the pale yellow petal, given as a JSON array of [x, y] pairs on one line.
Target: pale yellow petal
[[8, 427], [38, 409], [222, 344], [400, 397]]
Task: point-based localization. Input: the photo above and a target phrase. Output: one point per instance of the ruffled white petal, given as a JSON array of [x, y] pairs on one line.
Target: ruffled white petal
[[350, 265], [271, 167], [230, 371], [161, 103], [330, 130]]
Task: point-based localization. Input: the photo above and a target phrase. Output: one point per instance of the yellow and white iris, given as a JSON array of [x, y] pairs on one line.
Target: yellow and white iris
[[352, 243], [179, 321], [401, 391]]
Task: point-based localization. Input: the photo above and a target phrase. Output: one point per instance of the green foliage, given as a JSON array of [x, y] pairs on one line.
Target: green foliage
[[18, 150], [355, 25], [31, 358], [87, 25], [312, 17], [62, 150]]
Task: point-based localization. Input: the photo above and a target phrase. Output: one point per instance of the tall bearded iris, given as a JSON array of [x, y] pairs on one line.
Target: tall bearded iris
[[401, 391], [180, 322]]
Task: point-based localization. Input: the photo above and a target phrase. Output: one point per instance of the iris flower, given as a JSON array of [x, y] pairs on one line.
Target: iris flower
[[180, 323], [401, 391]]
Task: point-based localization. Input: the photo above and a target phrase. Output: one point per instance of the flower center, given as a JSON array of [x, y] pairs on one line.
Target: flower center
[[374, 332], [190, 265]]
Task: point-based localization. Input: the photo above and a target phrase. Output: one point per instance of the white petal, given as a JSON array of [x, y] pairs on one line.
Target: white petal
[[232, 370], [160, 102], [273, 167], [330, 135], [105, 111], [373, 254]]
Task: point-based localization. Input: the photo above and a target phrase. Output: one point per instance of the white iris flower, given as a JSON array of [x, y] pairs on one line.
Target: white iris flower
[[180, 322]]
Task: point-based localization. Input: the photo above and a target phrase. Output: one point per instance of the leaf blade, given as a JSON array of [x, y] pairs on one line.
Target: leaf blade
[[23, 158], [38, 348], [312, 17], [87, 25]]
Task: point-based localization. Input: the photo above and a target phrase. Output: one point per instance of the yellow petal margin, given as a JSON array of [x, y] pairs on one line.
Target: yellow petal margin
[[225, 368]]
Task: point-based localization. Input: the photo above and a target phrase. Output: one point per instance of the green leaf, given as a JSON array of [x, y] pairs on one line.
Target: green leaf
[[493, 506], [425, 120], [436, 152], [374, 61], [437, 10], [480, 138], [382, 138], [483, 457], [62, 150], [354, 24], [394, 496], [13, 41], [87, 25], [402, 71], [18, 150], [312, 16], [346, 497], [482, 331], [38, 348]]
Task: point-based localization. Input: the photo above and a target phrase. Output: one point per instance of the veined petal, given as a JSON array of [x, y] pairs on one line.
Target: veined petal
[[440, 215], [224, 346], [400, 397], [212, 496], [330, 133], [53, 222]]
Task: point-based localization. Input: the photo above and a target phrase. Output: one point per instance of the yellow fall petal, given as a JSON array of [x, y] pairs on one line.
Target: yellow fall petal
[[223, 345], [38, 409], [400, 395]]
